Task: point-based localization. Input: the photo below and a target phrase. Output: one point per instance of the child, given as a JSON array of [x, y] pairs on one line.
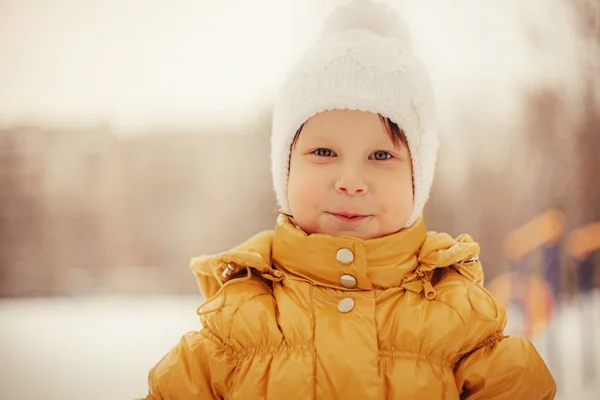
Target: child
[[349, 297]]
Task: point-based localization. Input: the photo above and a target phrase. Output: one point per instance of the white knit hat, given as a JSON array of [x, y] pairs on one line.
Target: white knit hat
[[363, 61]]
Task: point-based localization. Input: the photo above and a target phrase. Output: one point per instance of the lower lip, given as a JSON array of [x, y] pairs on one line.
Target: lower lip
[[350, 219]]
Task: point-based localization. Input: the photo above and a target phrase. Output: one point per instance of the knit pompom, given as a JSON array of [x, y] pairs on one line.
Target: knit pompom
[[379, 18]]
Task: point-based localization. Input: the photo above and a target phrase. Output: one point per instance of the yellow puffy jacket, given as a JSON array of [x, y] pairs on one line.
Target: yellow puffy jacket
[[296, 316]]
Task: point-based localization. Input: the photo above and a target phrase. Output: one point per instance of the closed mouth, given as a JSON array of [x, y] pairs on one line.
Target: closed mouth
[[349, 216]]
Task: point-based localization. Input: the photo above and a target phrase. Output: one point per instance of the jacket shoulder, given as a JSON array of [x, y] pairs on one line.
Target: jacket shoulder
[[480, 315], [238, 284], [241, 313]]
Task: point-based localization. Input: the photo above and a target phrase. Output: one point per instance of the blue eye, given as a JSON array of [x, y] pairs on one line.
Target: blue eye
[[323, 152], [381, 155]]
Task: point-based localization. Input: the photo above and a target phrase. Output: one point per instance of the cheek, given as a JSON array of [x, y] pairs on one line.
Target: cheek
[[396, 195], [306, 187]]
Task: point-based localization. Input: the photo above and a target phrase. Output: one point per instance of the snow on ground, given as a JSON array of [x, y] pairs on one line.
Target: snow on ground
[[87, 349], [102, 348], [571, 348]]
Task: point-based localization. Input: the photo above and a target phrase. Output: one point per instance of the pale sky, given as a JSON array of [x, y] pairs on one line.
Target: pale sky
[[135, 63]]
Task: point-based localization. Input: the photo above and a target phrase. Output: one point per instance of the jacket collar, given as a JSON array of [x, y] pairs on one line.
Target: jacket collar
[[406, 259], [323, 259]]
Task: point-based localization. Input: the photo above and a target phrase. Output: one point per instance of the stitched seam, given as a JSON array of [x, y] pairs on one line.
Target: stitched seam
[[243, 303], [271, 350], [450, 307], [494, 337], [229, 350], [465, 283], [444, 303], [396, 354], [240, 305], [249, 351], [321, 284]]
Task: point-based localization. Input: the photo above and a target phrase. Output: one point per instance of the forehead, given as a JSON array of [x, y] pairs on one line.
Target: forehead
[[355, 123]]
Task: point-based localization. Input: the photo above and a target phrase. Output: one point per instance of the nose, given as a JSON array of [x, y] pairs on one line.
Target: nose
[[351, 182]]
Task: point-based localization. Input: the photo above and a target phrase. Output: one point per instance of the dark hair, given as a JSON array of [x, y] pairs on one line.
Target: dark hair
[[394, 131]]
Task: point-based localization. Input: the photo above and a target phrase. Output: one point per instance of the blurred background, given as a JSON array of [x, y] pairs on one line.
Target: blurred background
[[135, 135]]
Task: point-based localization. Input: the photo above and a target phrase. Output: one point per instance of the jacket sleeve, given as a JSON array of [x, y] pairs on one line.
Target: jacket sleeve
[[197, 368], [507, 368]]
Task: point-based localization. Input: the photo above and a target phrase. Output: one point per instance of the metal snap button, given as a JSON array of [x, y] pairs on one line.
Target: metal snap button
[[345, 256], [348, 281], [346, 305]]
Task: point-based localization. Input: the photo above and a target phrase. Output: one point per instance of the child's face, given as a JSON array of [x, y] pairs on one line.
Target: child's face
[[347, 178]]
